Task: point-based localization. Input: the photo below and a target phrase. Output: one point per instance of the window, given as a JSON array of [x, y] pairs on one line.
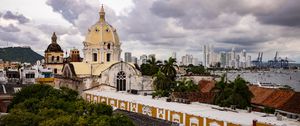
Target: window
[[94, 57], [31, 75], [108, 46], [57, 58], [52, 59], [121, 81], [108, 57]]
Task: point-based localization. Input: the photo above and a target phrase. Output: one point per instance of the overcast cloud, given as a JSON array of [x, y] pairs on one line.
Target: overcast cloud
[[161, 27]]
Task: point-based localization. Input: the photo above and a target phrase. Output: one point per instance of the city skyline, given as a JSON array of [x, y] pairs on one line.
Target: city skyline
[[256, 26]]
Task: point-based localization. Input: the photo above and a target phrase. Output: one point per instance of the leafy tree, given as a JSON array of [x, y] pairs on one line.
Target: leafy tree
[[186, 85], [161, 82], [168, 68], [43, 105], [219, 91], [151, 67], [198, 70], [233, 93]]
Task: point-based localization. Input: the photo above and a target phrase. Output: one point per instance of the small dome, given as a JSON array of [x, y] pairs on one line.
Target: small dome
[[54, 47], [101, 32]]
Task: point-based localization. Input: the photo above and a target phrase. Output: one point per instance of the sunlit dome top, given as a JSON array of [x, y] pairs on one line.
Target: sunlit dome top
[[101, 32]]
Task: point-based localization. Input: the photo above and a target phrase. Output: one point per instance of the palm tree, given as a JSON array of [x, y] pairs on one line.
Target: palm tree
[[240, 95], [219, 91], [232, 93], [154, 65], [160, 81], [185, 85], [169, 68]]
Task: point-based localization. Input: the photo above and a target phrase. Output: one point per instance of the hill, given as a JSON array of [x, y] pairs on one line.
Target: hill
[[20, 54]]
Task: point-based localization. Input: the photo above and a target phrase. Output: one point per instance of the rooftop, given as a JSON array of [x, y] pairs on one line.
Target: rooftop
[[204, 110]]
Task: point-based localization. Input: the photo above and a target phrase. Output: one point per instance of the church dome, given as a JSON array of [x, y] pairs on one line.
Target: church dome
[[101, 32], [54, 47]]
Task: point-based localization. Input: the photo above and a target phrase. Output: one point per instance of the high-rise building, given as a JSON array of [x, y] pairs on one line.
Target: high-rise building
[[174, 55], [134, 60], [151, 55], [195, 62], [127, 57], [187, 60], [143, 59], [206, 56], [223, 59]]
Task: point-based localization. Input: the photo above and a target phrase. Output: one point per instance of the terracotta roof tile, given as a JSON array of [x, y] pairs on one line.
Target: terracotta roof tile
[[205, 86], [260, 94], [278, 98], [293, 104]]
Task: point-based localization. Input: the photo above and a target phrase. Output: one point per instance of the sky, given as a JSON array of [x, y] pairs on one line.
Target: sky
[[159, 26]]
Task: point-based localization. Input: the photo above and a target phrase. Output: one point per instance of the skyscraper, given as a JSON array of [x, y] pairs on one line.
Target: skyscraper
[[223, 59], [174, 55], [128, 57], [134, 60], [143, 59], [151, 55]]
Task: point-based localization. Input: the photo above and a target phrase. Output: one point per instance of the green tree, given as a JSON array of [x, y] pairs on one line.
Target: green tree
[[219, 91], [233, 93], [154, 65], [198, 70], [43, 105], [185, 85], [168, 68]]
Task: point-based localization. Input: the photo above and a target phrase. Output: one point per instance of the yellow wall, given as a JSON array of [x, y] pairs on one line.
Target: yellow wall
[[172, 116], [208, 121], [188, 117], [125, 103], [155, 110]]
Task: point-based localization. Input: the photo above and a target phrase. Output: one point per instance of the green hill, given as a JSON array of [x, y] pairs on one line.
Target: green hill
[[20, 54]]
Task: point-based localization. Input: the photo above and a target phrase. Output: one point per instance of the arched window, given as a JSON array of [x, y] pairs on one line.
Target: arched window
[[108, 46], [121, 81], [57, 59], [52, 59]]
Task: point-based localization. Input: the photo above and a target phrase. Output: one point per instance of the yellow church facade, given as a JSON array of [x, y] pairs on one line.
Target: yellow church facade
[[54, 56], [102, 66]]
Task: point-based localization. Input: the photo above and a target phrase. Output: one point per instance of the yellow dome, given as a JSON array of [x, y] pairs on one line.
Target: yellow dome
[[101, 33]]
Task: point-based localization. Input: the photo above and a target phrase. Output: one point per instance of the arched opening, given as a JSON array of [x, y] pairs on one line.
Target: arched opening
[[52, 59], [108, 46], [94, 57], [121, 81], [57, 59]]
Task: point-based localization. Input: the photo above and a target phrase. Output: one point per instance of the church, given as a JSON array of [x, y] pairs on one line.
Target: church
[[102, 67]]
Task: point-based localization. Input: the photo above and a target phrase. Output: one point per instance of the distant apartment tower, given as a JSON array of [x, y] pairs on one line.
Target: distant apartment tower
[[209, 57], [128, 57], [151, 55], [134, 60], [143, 59], [187, 60], [223, 59], [205, 56], [174, 56]]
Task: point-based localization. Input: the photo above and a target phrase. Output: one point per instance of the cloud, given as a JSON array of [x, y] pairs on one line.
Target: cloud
[[9, 28], [19, 17], [82, 14], [286, 15], [162, 27]]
